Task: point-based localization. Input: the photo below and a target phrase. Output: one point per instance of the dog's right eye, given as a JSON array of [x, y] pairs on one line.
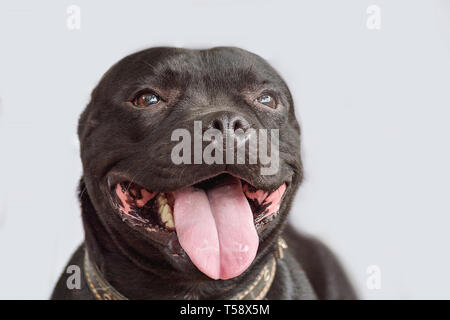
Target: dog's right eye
[[146, 99]]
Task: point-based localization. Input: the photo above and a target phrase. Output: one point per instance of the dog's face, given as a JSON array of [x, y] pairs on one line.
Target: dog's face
[[193, 217]]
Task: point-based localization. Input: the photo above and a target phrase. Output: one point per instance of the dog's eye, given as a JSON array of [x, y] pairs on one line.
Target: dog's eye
[[146, 99], [267, 100]]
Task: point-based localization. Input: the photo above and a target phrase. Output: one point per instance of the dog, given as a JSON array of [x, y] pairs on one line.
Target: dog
[[156, 228]]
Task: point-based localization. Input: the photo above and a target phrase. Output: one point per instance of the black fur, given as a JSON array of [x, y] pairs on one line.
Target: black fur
[[120, 140]]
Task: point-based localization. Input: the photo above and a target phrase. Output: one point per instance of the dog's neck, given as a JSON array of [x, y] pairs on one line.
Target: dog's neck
[[103, 290], [123, 267]]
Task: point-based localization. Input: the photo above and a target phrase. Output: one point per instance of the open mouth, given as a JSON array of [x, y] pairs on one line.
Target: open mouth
[[215, 220]]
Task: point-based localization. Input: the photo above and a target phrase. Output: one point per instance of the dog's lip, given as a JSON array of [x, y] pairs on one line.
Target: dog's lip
[[113, 178]]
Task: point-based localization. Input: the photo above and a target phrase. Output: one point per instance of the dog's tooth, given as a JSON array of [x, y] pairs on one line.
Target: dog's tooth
[[165, 212], [162, 200], [167, 216]]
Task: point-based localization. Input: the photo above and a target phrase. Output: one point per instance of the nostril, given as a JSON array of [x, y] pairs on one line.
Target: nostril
[[217, 124], [225, 122], [237, 124]]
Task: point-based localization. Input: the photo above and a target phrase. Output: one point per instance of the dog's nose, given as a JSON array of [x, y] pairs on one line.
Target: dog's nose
[[228, 121]]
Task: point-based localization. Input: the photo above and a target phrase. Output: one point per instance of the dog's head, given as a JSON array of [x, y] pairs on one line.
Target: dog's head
[[191, 158]]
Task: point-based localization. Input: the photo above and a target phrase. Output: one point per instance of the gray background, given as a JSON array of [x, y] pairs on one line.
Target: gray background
[[373, 104]]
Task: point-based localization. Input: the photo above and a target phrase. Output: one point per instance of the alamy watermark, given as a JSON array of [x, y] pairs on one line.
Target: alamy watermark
[[223, 144], [373, 281], [73, 21], [373, 21], [74, 279]]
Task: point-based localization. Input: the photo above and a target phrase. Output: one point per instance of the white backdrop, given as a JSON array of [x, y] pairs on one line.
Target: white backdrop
[[373, 105]]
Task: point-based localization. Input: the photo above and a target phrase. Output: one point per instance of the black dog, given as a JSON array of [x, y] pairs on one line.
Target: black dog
[[156, 229]]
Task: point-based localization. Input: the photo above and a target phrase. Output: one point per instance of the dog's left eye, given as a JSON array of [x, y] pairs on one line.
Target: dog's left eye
[[146, 99], [267, 100]]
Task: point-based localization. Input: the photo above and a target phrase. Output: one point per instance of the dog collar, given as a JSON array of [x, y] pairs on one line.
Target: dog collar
[[257, 290]]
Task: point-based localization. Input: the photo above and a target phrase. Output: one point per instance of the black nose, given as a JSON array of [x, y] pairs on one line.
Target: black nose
[[228, 121]]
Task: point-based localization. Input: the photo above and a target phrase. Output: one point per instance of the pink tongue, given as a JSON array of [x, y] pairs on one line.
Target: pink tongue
[[216, 228]]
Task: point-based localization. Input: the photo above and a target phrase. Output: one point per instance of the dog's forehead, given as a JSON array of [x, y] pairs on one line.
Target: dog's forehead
[[178, 66]]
